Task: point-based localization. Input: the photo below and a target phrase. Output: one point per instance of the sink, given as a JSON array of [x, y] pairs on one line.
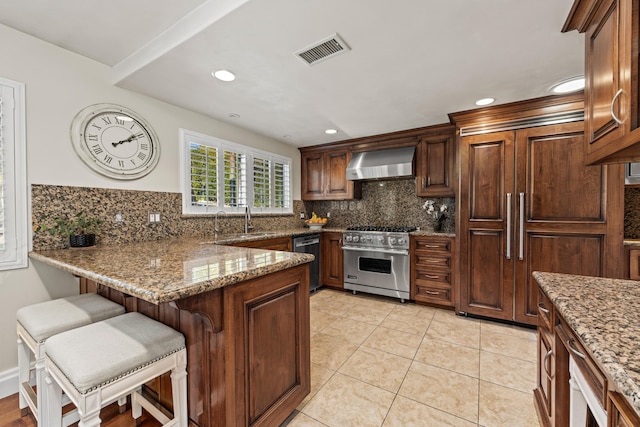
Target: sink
[[239, 236]]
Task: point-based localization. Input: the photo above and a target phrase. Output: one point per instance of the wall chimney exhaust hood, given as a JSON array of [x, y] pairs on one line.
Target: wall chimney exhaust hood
[[381, 164]]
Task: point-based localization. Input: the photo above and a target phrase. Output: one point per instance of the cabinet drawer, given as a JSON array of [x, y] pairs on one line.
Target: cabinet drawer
[[545, 312], [433, 294], [428, 261], [596, 379], [426, 277], [433, 245]]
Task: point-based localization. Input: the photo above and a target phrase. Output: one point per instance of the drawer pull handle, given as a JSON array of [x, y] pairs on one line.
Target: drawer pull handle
[[431, 276], [431, 246], [575, 350], [432, 260], [544, 363], [542, 309], [432, 292], [613, 102]]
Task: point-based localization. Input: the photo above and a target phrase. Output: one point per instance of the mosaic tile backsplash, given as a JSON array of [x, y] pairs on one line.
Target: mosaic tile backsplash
[[388, 203], [632, 212], [134, 206], [391, 203]]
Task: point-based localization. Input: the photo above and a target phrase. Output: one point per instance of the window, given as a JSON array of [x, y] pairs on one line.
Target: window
[[13, 178], [219, 175]]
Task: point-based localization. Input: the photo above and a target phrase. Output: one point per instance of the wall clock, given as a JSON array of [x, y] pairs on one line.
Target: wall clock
[[115, 141]]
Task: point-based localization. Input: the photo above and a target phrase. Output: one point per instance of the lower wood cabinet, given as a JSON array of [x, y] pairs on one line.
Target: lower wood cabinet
[[557, 342], [432, 270], [331, 260]]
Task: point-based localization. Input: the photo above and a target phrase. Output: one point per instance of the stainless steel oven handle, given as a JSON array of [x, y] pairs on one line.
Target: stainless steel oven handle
[[377, 250]]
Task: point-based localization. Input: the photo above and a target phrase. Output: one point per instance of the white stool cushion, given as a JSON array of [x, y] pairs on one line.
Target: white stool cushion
[[48, 318], [99, 353]]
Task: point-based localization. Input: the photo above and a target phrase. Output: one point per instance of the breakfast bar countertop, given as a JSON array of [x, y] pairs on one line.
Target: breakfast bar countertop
[[168, 270], [605, 315]]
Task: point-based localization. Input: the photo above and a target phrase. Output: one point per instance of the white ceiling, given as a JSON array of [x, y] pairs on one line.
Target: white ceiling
[[411, 61]]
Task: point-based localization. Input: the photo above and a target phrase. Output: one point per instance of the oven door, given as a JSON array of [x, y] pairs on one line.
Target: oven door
[[377, 268]]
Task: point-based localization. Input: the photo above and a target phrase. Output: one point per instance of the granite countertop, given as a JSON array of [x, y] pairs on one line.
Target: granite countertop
[[168, 270], [605, 315], [432, 233], [632, 242]]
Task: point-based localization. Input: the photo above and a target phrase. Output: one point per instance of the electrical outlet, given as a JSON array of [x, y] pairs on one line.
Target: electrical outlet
[[154, 217], [328, 214], [301, 215], [119, 218]]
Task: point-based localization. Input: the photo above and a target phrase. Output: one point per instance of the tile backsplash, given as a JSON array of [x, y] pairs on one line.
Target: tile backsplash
[[134, 207], [389, 203], [632, 212]]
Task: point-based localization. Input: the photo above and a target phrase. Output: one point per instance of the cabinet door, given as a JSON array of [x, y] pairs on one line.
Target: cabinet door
[[544, 389], [486, 249], [332, 264], [564, 218], [312, 172], [608, 78], [620, 413], [337, 185], [277, 244], [434, 164]]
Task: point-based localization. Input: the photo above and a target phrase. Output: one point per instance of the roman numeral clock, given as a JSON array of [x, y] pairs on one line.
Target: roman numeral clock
[[115, 141]]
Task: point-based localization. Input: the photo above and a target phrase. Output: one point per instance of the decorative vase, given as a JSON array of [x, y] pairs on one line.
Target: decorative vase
[[437, 226], [82, 240]]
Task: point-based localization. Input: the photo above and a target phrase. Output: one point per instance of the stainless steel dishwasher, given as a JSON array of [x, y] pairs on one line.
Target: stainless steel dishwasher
[[310, 244]]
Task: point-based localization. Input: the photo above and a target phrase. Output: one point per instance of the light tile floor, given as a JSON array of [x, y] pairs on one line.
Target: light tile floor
[[376, 362]]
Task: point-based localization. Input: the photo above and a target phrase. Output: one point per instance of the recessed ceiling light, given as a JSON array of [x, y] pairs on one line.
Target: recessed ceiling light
[[485, 101], [234, 115], [330, 131], [224, 75], [570, 85]]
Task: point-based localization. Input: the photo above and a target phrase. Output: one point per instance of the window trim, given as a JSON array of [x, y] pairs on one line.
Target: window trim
[[19, 196], [187, 136]]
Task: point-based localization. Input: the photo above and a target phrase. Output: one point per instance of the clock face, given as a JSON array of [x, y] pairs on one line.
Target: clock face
[[114, 141]]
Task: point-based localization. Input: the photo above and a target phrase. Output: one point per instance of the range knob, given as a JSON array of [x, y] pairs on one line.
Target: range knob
[[348, 238], [401, 241], [392, 240], [380, 239], [356, 238], [369, 238]]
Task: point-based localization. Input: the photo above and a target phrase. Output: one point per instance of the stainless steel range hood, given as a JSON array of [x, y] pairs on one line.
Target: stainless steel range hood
[[381, 164]]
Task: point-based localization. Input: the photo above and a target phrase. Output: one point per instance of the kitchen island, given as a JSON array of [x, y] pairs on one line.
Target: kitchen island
[[596, 321], [244, 313]]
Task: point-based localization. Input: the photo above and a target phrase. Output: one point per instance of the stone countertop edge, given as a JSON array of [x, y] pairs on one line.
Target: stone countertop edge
[[631, 242], [431, 233], [605, 314], [168, 270]]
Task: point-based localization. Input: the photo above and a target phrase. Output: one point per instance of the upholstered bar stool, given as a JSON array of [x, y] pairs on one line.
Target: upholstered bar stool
[[38, 322], [96, 364]]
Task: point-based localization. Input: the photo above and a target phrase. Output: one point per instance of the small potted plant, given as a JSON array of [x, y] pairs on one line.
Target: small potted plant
[[80, 229]]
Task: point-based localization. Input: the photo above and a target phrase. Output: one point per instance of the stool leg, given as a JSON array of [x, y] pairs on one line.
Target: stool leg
[[179, 390], [42, 389], [136, 408], [122, 405], [24, 364], [53, 416], [89, 408]]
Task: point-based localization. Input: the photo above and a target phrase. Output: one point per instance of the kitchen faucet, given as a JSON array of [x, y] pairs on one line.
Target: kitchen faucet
[[216, 230], [247, 219]]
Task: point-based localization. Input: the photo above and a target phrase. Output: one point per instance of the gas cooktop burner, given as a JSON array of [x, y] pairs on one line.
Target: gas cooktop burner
[[382, 228]]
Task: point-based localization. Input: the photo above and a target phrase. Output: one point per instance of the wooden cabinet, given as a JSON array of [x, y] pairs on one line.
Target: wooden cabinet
[[634, 263], [611, 77], [435, 165], [277, 244], [324, 175], [528, 203], [432, 270], [331, 260], [619, 412]]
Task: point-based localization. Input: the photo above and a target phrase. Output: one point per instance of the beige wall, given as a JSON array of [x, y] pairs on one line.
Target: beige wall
[[58, 85]]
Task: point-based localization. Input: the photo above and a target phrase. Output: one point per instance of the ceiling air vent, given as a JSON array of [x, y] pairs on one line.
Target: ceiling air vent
[[324, 49]]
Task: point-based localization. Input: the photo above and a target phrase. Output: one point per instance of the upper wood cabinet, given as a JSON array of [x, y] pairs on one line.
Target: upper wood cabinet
[[324, 175], [435, 164], [611, 73]]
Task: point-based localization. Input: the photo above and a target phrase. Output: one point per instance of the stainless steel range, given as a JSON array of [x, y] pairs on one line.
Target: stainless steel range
[[376, 260]]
